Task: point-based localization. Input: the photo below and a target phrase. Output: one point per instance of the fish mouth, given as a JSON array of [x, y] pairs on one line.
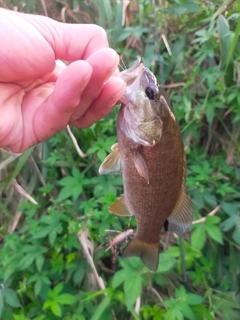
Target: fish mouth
[[131, 74], [132, 78]]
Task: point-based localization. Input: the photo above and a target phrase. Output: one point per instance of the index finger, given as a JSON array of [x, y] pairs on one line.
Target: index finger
[[71, 42]]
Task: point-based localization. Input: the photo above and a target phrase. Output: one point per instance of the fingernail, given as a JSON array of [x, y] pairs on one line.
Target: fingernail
[[88, 73], [121, 89], [116, 61]]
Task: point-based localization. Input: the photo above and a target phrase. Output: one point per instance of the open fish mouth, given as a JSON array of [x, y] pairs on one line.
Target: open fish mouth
[[130, 76]]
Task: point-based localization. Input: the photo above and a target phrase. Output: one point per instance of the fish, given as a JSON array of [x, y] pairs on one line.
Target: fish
[[150, 156]]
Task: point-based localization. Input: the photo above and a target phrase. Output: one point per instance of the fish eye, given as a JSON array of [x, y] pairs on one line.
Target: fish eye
[[152, 93]]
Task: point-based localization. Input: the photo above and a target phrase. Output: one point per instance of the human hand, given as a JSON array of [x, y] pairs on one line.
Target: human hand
[[39, 95]]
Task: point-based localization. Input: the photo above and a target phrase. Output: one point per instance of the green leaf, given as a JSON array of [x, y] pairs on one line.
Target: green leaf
[[79, 274], [21, 162], [132, 289], [47, 304], [185, 309], [52, 236], [177, 10], [224, 37], [58, 288], [229, 208], [230, 223], [173, 314], [173, 251], [41, 317], [233, 44], [108, 10], [11, 298], [191, 6], [20, 317], [26, 261], [214, 232], [39, 262], [56, 309], [198, 237], [101, 308], [236, 233], [41, 233], [166, 262], [118, 278], [194, 299], [210, 199], [1, 303], [65, 298], [210, 220], [68, 192], [181, 292], [37, 287]]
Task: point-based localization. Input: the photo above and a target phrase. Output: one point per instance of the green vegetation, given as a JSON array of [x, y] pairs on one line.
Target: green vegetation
[[53, 258]]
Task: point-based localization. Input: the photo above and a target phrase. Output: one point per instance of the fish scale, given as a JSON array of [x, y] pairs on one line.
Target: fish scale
[[152, 203]]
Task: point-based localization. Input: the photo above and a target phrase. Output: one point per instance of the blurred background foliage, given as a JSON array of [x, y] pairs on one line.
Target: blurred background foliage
[[55, 225]]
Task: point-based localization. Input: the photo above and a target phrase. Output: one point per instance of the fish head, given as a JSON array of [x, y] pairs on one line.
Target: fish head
[[141, 113]]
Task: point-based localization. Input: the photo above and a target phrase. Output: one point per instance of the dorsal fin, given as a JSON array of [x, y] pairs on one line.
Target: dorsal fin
[[181, 217]]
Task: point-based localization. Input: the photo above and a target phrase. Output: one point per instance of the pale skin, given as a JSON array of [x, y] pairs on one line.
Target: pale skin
[[39, 94]]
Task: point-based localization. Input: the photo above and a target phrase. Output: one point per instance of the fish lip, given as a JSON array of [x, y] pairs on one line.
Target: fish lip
[[136, 64], [130, 76]]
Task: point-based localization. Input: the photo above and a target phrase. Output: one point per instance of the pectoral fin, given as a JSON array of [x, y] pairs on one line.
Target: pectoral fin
[[112, 163], [181, 217], [119, 207], [140, 165], [114, 147]]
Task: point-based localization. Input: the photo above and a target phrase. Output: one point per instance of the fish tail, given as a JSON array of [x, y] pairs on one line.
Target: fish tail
[[148, 252]]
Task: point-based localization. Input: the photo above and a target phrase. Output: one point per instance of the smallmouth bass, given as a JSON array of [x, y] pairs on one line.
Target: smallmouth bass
[[150, 156]]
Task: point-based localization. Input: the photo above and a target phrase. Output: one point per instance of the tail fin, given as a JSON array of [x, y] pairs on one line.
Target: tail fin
[[148, 252]]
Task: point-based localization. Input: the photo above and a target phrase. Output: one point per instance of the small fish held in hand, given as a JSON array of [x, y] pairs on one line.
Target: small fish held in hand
[[150, 155]]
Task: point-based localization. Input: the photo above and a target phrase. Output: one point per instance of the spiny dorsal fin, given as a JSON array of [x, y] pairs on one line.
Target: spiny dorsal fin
[[148, 252], [140, 165], [119, 207], [181, 217], [112, 163]]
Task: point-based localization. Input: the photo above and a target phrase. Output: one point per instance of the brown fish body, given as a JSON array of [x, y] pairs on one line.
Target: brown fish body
[[152, 203], [150, 155]]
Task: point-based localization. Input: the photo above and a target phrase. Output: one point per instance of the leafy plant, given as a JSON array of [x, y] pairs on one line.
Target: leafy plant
[[55, 229]]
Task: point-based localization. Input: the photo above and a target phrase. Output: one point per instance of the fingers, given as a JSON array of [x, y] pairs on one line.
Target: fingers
[[79, 97], [104, 62], [110, 94], [54, 115], [71, 42], [80, 40]]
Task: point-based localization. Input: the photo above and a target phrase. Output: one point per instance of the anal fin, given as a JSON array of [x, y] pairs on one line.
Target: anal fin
[[119, 207], [181, 217]]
